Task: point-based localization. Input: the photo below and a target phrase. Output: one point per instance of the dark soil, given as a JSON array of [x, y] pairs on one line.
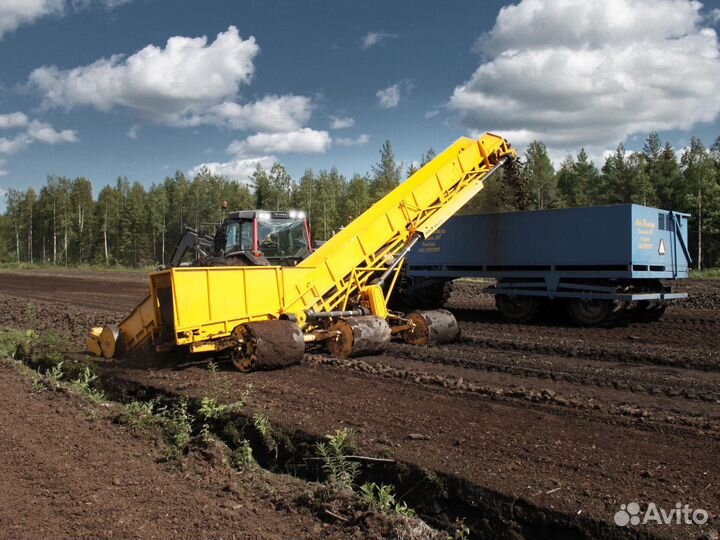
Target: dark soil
[[68, 472], [561, 424]]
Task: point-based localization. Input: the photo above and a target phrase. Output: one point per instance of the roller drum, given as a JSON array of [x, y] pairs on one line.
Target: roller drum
[[359, 336], [431, 327], [268, 345]]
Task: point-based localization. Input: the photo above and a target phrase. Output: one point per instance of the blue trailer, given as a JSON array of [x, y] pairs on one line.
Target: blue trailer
[[600, 262]]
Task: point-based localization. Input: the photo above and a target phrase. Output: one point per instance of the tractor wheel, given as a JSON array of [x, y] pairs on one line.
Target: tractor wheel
[[518, 309]]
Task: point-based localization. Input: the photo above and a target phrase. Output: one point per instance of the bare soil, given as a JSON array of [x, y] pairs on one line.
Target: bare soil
[[526, 431]]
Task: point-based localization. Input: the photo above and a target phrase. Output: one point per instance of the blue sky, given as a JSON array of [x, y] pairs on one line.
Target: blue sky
[[95, 88]]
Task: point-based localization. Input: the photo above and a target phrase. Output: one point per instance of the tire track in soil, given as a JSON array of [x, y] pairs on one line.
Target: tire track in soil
[[671, 382], [607, 406]]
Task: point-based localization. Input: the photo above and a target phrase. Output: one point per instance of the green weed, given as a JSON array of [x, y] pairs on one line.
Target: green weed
[[242, 457], [83, 384], [383, 498], [339, 469]]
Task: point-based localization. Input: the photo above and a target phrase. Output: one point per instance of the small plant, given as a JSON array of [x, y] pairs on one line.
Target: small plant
[[14, 341], [54, 375], [142, 414], [37, 384], [383, 497], [242, 457], [178, 427], [262, 424], [30, 312], [219, 385], [460, 531], [340, 470], [84, 385]]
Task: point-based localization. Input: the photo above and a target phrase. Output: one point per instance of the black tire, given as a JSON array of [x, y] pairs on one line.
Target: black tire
[[519, 309], [648, 311], [421, 294], [593, 312]]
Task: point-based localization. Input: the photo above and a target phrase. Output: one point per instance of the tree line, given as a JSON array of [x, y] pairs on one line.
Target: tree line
[[131, 225]]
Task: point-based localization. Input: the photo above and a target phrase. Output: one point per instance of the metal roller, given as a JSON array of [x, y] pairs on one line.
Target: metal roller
[[431, 327], [359, 336], [268, 345]]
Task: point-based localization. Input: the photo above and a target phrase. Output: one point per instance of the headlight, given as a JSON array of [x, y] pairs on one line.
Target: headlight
[[300, 214], [264, 215], [293, 214]]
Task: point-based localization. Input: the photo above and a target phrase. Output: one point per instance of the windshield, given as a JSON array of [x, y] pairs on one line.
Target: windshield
[[238, 236], [282, 238]]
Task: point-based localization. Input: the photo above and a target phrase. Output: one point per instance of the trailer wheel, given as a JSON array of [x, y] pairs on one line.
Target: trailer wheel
[[649, 311], [518, 309], [420, 293], [592, 312]]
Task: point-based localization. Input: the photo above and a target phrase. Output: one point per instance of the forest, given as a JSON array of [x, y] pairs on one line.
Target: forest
[[129, 224]]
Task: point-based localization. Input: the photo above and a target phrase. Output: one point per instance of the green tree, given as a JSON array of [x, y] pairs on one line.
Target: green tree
[[358, 196], [280, 187], [261, 185], [540, 175], [303, 193], [83, 207], [386, 172], [701, 193]]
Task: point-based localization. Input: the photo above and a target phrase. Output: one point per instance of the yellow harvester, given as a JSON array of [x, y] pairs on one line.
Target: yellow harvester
[[263, 316]]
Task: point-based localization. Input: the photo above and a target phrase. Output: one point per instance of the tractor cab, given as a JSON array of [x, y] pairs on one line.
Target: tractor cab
[[264, 237]]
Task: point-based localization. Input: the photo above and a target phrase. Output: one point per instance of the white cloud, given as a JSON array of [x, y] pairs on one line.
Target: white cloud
[[188, 83], [185, 77], [43, 132], [134, 131], [432, 113], [375, 38], [237, 169], [304, 141], [341, 123], [358, 141], [715, 16], [14, 145], [16, 13], [13, 120], [389, 97], [271, 113], [30, 131], [577, 73]]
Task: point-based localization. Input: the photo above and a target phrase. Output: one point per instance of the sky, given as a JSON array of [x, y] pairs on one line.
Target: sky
[[144, 88]]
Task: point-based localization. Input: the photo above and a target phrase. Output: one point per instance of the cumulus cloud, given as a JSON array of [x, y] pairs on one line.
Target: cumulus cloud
[[184, 77], [16, 13], [237, 169], [13, 120], [25, 132], [271, 113], [347, 141], [341, 123], [44, 132], [575, 73], [389, 97], [715, 16], [375, 38], [306, 141], [190, 82]]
